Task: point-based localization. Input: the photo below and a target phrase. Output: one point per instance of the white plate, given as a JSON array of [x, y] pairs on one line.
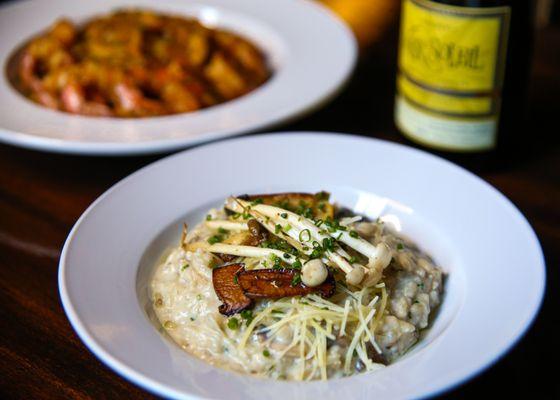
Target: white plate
[[311, 51], [493, 258]]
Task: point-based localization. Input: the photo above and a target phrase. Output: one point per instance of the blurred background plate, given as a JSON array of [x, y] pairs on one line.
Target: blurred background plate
[[311, 52]]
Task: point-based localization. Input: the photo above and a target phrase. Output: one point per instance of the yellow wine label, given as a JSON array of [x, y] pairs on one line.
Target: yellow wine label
[[451, 70]]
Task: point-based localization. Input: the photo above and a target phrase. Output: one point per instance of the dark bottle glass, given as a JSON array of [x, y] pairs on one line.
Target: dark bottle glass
[[463, 73]]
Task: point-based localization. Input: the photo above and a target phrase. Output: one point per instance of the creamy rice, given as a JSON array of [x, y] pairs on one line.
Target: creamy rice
[[283, 344]]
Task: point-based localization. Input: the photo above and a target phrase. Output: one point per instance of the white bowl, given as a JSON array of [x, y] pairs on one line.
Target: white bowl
[[311, 52], [495, 266]]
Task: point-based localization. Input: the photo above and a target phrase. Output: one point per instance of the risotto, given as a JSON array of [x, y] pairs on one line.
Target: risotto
[[289, 286]]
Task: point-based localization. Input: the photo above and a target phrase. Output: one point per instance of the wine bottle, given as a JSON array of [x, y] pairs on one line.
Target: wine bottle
[[462, 72]]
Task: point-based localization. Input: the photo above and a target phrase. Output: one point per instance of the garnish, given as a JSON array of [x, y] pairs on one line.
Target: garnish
[[260, 284], [215, 239], [233, 323], [296, 280], [305, 235], [324, 239], [247, 315]]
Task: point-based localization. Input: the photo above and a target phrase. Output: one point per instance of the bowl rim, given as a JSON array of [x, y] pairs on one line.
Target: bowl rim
[[155, 387]]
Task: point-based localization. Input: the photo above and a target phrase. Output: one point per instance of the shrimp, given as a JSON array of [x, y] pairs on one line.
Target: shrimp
[[131, 100], [136, 64], [73, 100], [45, 54], [34, 84]]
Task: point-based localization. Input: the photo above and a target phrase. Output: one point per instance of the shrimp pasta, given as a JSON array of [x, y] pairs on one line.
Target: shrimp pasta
[[136, 63]]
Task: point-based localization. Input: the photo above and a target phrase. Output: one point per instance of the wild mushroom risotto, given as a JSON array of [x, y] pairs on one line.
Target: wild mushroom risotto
[[290, 286]]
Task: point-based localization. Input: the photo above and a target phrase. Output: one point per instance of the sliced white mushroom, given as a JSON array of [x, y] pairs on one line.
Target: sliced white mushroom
[[347, 221], [356, 276], [301, 231], [378, 256], [241, 251], [229, 225], [314, 272]]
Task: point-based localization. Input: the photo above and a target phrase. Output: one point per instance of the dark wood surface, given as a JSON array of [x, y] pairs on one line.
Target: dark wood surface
[[42, 195]]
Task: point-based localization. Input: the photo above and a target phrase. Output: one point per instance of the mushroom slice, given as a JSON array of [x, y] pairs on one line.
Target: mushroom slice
[[228, 290], [374, 356], [236, 287], [278, 283], [252, 237], [301, 203]]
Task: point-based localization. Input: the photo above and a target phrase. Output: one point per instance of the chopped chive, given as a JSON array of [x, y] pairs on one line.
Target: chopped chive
[[208, 217], [400, 246], [246, 314], [266, 353], [277, 228], [222, 230], [296, 280], [233, 323], [328, 244], [305, 235], [215, 239], [354, 234]]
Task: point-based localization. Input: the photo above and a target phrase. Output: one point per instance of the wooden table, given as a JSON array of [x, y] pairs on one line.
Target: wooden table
[[42, 195]]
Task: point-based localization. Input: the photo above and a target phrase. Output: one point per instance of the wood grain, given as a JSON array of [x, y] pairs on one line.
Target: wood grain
[[42, 195]]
